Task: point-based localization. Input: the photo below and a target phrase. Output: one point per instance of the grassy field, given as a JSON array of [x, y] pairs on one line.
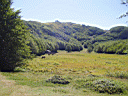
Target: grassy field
[[89, 75]]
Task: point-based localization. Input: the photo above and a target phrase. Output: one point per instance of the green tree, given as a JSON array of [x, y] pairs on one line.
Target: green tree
[[13, 36], [90, 49], [124, 34], [85, 45], [98, 49], [124, 2], [33, 45], [68, 48]]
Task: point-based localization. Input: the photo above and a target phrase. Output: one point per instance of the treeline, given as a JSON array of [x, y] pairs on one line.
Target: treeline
[[109, 42], [109, 47], [112, 47], [39, 46], [70, 36], [43, 38], [67, 31], [115, 33]]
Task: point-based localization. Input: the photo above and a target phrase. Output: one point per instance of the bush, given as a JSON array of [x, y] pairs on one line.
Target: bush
[[101, 85], [104, 85], [57, 79]]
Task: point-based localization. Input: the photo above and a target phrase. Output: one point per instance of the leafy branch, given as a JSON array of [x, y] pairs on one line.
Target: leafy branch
[[126, 14]]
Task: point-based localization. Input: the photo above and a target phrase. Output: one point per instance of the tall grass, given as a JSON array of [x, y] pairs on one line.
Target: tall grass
[[118, 74], [80, 68]]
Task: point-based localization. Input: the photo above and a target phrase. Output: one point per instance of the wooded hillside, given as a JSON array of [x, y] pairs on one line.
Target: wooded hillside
[[69, 36]]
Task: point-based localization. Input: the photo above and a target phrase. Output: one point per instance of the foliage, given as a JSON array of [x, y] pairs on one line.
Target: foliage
[[124, 3], [13, 36], [95, 31], [57, 79], [90, 49], [118, 47], [117, 29], [104, 85], [121, 32], [50, 37], [85, 45], [74, 35], [118, 74], [81, 69], [101, 85], [68, 48]]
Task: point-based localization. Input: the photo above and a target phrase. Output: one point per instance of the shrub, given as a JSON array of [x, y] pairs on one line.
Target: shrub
[[104, 85], [101, 85], [57, 79]]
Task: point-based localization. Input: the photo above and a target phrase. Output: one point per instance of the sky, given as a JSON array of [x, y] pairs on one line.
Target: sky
[[99, 13]]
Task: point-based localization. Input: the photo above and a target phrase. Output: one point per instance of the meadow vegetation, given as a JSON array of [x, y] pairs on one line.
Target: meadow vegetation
[[71, 71], [87, 74]]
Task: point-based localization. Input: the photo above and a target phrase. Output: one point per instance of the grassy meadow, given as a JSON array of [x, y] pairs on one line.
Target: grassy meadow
[[88, 74]]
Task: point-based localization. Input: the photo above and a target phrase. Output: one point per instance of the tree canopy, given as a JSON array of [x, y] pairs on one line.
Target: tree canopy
[[124, 2], [13, 36]]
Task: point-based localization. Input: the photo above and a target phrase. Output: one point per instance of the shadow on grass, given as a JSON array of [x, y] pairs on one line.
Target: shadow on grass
[[17, 69]]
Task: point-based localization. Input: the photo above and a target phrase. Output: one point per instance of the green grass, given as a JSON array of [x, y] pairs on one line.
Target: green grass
[[81, 69], [118, 74]]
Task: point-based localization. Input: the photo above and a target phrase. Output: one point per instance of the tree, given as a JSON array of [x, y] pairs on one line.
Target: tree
[[85, 45], [90, 49], [124, 34], [13, 37], [68, 48], [33, 46], [124, 3], [98, 49]]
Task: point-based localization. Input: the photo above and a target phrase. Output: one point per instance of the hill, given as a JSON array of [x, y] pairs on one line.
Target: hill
[[70, 36]]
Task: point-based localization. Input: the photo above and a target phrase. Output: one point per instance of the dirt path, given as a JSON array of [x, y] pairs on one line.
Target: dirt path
[[9, 88]]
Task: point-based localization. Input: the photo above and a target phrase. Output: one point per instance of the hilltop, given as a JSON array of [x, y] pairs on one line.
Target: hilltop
[[71, 36]]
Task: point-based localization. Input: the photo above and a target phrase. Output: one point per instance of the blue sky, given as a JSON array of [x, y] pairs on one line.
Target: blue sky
[[99, 13]]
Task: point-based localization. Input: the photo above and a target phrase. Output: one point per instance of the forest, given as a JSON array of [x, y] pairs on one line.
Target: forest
[[72, 37]]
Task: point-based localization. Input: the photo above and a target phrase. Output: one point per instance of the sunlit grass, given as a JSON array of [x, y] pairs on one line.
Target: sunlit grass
[[118, 74], [80, 62], [76, 67]]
